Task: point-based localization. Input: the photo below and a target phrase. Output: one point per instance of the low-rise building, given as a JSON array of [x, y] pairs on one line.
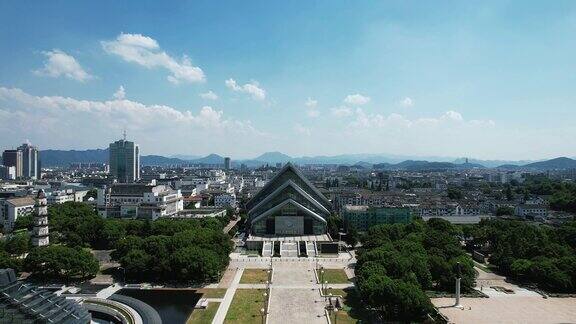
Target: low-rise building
[[531, 211], [12, 208], [225, 199], [363, 217], [136, 200], [203, 212], [62, 196]]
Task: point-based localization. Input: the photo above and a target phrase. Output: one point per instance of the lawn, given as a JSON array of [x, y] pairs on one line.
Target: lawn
[[254, 276], [212, 292], [203, 316], [353, 310], [245, 307], [343, 318], [333, 276]]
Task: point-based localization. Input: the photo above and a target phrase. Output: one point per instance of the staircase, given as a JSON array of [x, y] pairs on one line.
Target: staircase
[[267, 249], [288, 249], [311, 249]]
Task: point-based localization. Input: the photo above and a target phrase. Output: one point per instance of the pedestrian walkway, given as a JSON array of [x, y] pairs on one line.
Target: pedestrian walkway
[[227, 300], [109, 291], [296, 297]]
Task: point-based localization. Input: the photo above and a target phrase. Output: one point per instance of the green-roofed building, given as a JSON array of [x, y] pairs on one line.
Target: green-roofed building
[[364, 217]]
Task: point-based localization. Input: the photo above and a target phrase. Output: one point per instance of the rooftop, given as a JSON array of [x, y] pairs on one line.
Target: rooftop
[[21, 202]]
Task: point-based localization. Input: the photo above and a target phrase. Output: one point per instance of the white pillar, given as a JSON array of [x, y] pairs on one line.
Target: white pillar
[[457, 304]]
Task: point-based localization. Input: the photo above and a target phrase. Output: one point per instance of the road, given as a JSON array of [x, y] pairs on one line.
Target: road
[[230, 225]]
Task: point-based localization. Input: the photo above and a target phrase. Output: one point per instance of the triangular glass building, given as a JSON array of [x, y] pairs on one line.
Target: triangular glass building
[[288, 205]]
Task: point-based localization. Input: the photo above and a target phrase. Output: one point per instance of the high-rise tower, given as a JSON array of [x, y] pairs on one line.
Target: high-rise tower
[[30, 165], [13, 158], [40, 231], [124, 161]]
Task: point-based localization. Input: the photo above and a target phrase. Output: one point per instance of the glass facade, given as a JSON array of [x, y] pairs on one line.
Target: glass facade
[[362, 217], [124, 161], [288, 205]]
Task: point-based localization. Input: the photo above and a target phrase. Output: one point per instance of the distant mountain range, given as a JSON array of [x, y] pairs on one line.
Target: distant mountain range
[[554, 164], [377, 161], [411, 165], [54, 158]]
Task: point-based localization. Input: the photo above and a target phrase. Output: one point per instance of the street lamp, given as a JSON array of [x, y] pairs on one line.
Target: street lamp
[[263, 313], [330, 308], [325, 286], [123, 274], [335, 315]]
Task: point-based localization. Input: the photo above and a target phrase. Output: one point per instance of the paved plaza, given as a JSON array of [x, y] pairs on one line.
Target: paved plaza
[[521, 310], [294, 292], [522, 306], [296, 305]]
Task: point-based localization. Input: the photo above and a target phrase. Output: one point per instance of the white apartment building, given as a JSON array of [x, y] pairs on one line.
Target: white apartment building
[[12, 208], [427, 210], [62, 196], [531, 211], [145, 201], [225, 199]]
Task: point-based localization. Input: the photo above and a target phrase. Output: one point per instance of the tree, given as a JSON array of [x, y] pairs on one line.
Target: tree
[[125, 245], [395, 299], [196, 264], [23, 222], [521, 268], [112, 232], [509, 193], [6, 261], [78, 218], [504, 210], [455, 194], [18, 244], [92, 193], [540, 255], [61, 262], [135, 263], [352, 236], [334, 223]]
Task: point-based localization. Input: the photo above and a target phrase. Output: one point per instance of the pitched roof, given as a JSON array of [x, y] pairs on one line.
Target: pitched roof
[[280, 191], [21, 202], [271, 186]]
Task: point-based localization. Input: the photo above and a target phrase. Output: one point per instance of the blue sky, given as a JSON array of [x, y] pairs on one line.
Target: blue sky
[[491, 80]]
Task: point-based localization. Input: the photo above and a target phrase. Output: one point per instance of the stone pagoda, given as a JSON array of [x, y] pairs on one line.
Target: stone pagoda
[[40, 232]]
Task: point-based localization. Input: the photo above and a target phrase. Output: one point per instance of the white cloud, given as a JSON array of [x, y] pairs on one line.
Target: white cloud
[[342, 111], [452, 115], [449, 118], [407, 102], [313, 113], [311, 103], [301, 130], [356, 99], [120, 94], [210, 95], [252, 88], [145, 51], [49, 121], [61, 64]]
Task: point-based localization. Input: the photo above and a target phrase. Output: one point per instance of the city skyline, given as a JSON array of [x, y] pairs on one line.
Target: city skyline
[[488, 81]]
